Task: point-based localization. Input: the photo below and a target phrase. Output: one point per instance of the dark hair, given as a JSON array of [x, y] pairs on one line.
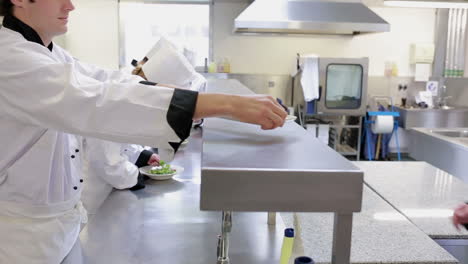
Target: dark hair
[[5, 7]]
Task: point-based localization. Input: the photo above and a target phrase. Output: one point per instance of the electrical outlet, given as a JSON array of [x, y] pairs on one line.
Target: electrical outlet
[[271, 84]]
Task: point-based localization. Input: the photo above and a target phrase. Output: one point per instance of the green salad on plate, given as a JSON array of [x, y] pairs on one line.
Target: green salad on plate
[[163, 168]]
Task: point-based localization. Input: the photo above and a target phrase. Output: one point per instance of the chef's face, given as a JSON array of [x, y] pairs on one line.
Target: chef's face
[[48, 17]]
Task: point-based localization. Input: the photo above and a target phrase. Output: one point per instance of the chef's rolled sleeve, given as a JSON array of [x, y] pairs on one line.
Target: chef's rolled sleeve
[[144, 158], [181, 111]]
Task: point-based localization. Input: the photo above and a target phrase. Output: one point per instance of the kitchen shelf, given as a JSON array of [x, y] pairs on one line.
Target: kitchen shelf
[[335, 133], [346, 150], [346, 126]]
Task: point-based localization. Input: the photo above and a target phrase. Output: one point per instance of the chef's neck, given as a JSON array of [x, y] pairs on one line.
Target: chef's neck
[[43, 34]]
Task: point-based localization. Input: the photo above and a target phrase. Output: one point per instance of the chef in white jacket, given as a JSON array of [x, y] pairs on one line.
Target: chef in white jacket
[[108, 165], [46, 95]]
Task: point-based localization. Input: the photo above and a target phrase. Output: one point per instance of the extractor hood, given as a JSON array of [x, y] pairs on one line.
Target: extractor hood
[[428, 3], [309, 17]]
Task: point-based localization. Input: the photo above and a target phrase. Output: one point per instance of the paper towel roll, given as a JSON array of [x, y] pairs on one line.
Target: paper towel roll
[[382, 125]]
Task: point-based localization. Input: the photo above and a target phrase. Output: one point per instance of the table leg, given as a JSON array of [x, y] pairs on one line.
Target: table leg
[[223, 239], [271, 218], [342, 230]]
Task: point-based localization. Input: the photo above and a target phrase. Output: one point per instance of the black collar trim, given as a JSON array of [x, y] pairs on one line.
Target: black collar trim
[[13, 23]]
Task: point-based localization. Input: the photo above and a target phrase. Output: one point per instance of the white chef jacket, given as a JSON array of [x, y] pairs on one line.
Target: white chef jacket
[[44, 95], [107, 165]]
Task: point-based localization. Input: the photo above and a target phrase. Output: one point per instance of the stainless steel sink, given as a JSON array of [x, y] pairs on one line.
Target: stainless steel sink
[[433, 118], [447, 149], [445, 107], [455, 134]]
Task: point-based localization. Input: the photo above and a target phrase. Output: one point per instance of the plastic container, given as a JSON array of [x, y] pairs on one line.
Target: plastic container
[[304, 260], [220, 65], [227, 65], [212, 67], [286, 249], [394, 70]]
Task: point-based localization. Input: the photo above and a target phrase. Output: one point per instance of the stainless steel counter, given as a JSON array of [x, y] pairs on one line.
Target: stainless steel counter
[[444, 151], [248, 169], [287, 170], [241, 168], [163, 224], [245, 168], [432, 118]]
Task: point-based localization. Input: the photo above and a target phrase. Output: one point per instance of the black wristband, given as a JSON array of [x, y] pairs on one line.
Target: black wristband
[[143, 159], [148, 83]]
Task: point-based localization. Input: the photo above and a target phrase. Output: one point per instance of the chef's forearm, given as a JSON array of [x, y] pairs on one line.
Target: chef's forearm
[[210, 105]]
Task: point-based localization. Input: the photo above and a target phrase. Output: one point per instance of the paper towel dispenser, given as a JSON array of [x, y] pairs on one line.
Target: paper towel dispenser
[[422, 53]]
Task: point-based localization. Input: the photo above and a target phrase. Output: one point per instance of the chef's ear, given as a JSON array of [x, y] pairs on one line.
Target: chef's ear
[[21, 3]]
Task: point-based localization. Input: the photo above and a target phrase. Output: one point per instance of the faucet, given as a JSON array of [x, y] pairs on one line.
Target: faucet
[[442, 100]]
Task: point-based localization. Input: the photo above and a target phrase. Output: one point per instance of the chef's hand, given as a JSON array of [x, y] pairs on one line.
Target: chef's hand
[[139, 71], [154, 160], [460, 216], [262, 110]]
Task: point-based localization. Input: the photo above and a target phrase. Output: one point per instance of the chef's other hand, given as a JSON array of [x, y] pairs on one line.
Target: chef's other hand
[[154, 160], [460, 216], [139, 71], [262, 110]]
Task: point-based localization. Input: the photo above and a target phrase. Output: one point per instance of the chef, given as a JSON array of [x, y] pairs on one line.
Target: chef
[[108, 165], [47, 96]]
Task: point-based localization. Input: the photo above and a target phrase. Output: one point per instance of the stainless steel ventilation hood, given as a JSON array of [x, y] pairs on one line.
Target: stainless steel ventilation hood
[[309, 17]]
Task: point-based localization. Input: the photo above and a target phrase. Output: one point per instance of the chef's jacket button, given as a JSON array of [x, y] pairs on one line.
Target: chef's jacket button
[[125, 150], [72, 156], [81, 180], [77, 150], [75, 188]]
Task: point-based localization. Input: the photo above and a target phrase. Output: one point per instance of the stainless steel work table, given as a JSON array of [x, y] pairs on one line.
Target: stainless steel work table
[[163, 224], [285, 170], [243, 168]]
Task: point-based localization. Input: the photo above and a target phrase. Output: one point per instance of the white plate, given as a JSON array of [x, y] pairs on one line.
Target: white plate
[[291, 118], [161, 177]]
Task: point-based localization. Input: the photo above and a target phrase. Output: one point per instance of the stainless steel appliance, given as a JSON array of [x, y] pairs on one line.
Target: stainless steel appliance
[[348, 17], [342, 88]]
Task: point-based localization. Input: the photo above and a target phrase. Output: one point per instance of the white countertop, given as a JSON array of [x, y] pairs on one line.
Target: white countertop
[[424, 194], [380, 235]]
